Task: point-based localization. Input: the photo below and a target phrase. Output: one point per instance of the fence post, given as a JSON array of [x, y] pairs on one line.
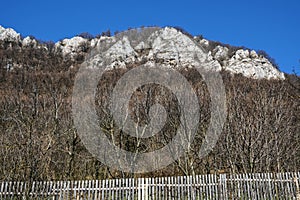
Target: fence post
[[297, 188]]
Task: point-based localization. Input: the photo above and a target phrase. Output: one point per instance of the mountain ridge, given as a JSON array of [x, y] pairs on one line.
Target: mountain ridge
[[238, 61]]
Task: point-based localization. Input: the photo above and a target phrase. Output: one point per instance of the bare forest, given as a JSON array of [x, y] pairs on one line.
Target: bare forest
[[38, 140]]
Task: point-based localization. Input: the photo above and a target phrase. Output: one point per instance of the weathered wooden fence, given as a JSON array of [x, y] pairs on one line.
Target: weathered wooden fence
[[223, 186]]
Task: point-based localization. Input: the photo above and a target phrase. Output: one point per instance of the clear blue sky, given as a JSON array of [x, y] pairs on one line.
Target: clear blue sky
[[273, 26]]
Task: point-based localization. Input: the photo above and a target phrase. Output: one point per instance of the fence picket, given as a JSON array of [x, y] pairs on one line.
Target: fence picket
[[104, 184], [297, 182], [127, 185], [4, 189], [290, 183], [131, 193]]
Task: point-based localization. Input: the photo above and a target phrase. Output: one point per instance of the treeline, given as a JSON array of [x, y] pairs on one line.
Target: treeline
[[38, 140]]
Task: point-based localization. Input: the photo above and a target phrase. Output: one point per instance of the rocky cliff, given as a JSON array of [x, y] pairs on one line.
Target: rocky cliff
[[240, 61]]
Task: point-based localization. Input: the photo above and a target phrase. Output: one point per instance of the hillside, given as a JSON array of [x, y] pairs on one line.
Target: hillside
[[39, 140]]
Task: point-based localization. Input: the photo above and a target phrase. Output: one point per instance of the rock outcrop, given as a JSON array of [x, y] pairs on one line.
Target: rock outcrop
[[169, 45], [9, 34]]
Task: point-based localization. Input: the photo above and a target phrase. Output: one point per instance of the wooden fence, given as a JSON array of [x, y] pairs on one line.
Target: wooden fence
[[223, 186]]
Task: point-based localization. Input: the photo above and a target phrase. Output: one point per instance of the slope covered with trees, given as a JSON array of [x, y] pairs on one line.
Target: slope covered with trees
[[38, 140]]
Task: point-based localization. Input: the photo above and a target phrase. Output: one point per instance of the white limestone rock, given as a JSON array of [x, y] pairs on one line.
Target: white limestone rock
[[252, 66], [177, 50], [120, 54], [220, 53], [27, 41], [142, 46], [95, 41], [204, 42], [9, 34], [168, 47], [71, 47], [241, 54], [253, 54]]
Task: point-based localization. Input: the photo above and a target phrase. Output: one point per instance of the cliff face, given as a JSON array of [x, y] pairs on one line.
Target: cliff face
[[245, 62]]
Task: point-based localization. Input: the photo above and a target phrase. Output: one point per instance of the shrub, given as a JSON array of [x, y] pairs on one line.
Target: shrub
[[86, 35], [267, 56]]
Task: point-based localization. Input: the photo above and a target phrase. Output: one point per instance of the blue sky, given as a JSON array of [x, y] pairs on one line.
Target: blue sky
[[273, 26]]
